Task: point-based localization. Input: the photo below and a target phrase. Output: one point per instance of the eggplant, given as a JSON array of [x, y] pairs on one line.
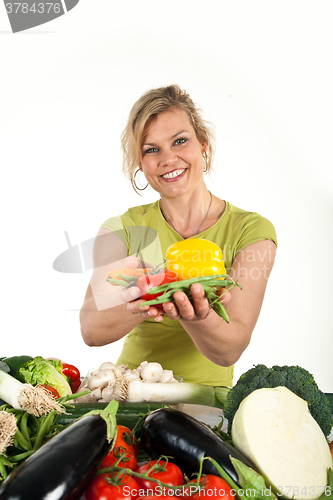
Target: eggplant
[[185, 440], [63, 467]]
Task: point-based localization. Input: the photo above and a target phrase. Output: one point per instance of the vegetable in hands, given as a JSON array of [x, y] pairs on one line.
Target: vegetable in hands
[[210, 284], [195, 257], [274, 429]]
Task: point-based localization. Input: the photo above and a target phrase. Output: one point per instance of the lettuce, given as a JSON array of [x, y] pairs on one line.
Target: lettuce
[[39, 371]]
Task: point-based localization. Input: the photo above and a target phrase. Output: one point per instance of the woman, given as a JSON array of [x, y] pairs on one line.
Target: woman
[[168, 142]]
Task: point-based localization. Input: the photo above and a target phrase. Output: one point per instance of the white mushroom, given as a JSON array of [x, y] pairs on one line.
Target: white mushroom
[[166, 377], [151, 372]]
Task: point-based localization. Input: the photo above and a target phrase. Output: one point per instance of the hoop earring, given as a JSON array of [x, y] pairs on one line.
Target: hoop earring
[[204, 157], [136, 187]]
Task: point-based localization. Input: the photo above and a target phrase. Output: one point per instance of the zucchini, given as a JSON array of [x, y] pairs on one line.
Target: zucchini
[[128, 414], [185, 440]]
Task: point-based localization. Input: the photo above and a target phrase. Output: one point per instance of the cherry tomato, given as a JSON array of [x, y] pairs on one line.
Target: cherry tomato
[[111, 458], [172, 475], [148, 281], [53, 392], [100, 489], [124, 440], [215, 487]]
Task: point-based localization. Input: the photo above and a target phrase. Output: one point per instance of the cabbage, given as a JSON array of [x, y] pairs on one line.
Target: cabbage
[[39, 371]]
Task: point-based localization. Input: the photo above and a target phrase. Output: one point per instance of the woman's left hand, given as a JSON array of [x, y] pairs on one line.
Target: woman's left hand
[[182, 308]]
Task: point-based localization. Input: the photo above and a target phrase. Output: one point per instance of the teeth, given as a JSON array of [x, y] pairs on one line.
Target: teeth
[[173, 174]]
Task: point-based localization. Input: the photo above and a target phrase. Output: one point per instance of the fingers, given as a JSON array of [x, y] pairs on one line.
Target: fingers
[[225, 295], [131, 293], [182, 308]]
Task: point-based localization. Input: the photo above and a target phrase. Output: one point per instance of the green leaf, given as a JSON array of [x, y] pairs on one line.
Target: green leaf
[[252, 481]]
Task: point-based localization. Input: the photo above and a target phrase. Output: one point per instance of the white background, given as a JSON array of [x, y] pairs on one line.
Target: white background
[[261, 71]]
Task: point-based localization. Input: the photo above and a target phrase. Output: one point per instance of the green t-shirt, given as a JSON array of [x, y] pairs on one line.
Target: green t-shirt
[[146, 233]]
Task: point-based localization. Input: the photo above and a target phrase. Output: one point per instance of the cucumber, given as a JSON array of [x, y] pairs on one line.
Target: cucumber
[[128, 414]]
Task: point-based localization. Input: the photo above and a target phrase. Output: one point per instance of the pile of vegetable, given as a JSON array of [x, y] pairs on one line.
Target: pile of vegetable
[[190, 261], [275, 446]]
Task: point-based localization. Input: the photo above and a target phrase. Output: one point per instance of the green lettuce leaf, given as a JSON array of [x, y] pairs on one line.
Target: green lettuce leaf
[[39, 371]]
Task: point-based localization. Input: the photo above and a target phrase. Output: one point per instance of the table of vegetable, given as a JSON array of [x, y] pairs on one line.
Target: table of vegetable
[[270, 436]]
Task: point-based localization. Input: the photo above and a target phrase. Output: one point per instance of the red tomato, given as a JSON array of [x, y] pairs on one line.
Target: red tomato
[[215, 487], [172, 476], [70, 371], [100, 489], [130, 443], [111, 458], [53, 392], [148, 281]]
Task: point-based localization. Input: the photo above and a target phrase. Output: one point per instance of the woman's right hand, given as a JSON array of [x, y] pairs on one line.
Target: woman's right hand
[[132, 295]]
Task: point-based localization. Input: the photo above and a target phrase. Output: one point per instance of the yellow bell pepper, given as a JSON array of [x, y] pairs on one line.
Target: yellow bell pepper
[[195, 257]]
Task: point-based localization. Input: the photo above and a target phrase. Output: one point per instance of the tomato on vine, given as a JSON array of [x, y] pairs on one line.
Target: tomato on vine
[[215, 487], [166, 472], [125, 439], [127, 461], [108, 487]]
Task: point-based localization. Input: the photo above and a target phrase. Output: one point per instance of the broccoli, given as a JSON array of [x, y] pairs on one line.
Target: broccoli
[[295, 378]]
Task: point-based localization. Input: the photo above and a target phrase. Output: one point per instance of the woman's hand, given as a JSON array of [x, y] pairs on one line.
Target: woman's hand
[[132, 295], [183, 309]]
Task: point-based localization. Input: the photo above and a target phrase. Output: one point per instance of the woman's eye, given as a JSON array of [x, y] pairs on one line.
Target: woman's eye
[[181, 140], [150, 150]]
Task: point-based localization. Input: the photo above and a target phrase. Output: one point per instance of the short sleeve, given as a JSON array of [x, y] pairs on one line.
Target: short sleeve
[[256, 228], [116, 225]]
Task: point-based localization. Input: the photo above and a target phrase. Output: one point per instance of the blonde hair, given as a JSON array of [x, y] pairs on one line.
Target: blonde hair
[[145, 110]]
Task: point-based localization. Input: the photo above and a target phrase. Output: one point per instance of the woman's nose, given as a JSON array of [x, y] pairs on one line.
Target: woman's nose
[[168, 158]]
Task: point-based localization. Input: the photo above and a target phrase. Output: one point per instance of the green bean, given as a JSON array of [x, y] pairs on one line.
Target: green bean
[[44, 429], [128, 278], [21, 456], [24, 428], [220, 310], [20, 440], [117, 282]]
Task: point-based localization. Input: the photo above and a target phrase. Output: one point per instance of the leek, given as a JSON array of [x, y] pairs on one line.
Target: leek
[[137, 391], [34, 400]]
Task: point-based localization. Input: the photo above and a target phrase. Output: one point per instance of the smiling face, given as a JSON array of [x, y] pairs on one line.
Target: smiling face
[[172, 155]]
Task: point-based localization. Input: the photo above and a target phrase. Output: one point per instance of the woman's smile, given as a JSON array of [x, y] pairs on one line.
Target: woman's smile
[[174, 175]]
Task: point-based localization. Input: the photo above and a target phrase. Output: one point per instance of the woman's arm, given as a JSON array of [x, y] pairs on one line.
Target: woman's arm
[[104, 316]]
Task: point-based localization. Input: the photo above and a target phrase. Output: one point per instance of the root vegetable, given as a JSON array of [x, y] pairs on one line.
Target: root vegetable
[[274, 429]]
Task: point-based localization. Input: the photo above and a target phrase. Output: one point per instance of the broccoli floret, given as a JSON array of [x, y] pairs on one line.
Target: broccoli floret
[[295, 378]]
